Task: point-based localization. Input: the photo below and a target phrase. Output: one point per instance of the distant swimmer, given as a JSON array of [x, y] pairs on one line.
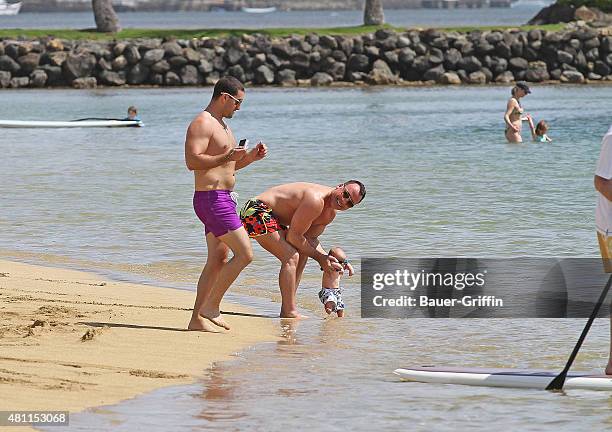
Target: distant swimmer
[[514, 113], [539, 131], [132, 114]]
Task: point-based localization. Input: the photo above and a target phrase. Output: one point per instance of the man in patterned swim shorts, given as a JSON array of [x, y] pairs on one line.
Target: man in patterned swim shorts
[[287, 221], [603, 212], [211, 153]]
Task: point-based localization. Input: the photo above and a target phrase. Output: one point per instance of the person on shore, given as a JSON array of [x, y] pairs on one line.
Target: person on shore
[[514, 113], [603, 213], [132, 114], [331, 293], [211, 153], [306, 209]]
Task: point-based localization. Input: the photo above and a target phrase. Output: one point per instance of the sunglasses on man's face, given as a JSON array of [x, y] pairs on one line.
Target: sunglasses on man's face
[[347, 196], [236, 100]]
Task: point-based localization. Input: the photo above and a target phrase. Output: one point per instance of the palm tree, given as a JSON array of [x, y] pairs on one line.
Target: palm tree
[[373, 13], [106, 18]]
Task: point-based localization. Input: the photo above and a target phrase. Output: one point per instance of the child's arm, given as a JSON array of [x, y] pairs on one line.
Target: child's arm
[[349, 267], [531, 127], [548, 139]]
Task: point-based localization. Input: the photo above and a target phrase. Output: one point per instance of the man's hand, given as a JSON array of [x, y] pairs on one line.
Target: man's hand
[[330, 263], [236, 154], [256, 153], [260, 151]]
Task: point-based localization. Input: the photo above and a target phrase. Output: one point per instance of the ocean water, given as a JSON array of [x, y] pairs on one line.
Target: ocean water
[[520, 13], [441, 181]]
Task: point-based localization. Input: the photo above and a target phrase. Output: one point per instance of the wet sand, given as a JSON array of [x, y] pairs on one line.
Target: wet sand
[[71, 340]]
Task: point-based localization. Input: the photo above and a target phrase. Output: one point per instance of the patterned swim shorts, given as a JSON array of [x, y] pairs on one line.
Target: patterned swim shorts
[[332, 295], [258, 219]]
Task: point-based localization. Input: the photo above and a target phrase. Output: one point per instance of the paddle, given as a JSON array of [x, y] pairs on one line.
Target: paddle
[[557, 383]]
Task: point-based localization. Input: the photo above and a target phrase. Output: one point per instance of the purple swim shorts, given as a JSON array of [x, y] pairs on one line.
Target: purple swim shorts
[[217, 211]]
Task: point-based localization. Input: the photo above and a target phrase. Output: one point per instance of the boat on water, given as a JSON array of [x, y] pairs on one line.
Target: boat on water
[[85, 123], [259, 10], [9, 8]]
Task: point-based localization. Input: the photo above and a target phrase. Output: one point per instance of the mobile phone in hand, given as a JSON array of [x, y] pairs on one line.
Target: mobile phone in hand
[[243, 142]]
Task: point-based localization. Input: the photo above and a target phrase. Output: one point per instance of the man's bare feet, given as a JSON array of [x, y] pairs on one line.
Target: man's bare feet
[[200, 324], [292, 314], [215, 318]]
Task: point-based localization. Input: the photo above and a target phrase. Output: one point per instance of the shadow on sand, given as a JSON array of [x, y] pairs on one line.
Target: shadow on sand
[[135, 326]]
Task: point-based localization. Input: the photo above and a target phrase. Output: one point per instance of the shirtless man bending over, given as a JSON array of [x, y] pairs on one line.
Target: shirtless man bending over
[[307, 209], [212, 155]]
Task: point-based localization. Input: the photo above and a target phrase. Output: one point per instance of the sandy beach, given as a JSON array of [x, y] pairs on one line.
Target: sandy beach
[[73, 340]]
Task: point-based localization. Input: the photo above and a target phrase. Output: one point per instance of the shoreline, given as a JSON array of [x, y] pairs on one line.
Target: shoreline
[[73, 340]]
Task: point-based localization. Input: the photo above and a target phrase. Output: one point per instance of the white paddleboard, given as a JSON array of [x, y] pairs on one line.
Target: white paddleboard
[[516, 378], [68, 124]]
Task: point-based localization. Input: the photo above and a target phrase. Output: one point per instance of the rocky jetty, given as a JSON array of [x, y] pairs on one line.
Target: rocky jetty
[[575, 55]]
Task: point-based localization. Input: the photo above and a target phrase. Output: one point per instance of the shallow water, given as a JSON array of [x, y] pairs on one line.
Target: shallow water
[[330, 375], [441, 182]]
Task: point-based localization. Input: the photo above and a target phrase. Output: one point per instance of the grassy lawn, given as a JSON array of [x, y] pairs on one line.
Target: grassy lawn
[[91, 34]]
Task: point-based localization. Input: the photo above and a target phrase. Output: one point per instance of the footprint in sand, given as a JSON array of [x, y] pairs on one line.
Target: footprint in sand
[[92, 333]]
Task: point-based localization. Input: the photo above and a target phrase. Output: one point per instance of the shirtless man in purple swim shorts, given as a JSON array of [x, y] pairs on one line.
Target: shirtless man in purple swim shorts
[[212, 155]]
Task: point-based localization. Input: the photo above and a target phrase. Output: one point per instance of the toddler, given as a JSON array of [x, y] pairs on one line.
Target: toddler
[[331, 294], [538, 132]]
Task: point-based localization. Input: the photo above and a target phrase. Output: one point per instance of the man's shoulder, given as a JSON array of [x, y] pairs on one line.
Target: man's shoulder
[[202, 118], [315, 188], [312, 195], [202, 124]]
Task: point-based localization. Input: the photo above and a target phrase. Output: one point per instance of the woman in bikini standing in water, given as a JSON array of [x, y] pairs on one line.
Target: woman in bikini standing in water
[[514, 113]]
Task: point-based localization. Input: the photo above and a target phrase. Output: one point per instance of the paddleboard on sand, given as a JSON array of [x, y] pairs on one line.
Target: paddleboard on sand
[[516, 378]]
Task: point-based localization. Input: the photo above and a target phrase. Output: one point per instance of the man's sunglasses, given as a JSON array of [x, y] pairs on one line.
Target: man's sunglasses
[[347, 196], [236, 100]]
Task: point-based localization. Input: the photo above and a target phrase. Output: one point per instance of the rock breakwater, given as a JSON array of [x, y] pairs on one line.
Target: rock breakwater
[[574, 55]]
